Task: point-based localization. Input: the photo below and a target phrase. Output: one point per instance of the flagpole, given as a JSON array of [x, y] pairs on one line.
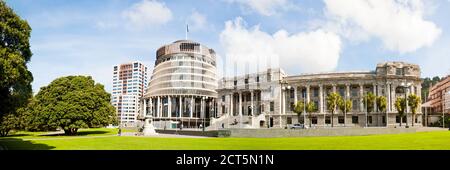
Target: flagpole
[[186, 31]]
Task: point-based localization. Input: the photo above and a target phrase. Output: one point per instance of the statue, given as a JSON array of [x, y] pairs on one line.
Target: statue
[[149, 129]]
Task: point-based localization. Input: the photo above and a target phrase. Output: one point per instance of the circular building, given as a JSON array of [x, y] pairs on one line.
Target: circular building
[[182, 89]]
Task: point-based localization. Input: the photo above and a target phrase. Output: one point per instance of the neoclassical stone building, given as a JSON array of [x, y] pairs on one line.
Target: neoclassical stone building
[[184, 92], [266, 98]]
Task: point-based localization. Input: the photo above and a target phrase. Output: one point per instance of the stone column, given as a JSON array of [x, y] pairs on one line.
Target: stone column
[[375, 93], [231, 104], [151, 106], [334, 88], [347, 91], [321, 98], [251, 101], [169, 107], [192, 107], [180, 107], [308, 91], [240, 103], [283, 101], [361, 97], [158, 107], [295, 94], [145, 108], [388, 92], [393, 97]]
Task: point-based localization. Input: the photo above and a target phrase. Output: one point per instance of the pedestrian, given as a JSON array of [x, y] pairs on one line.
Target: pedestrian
[[223, 125], [120, 132]]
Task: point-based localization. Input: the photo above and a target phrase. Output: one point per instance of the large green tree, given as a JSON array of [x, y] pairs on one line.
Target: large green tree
[[413, 102], [310, 108], [369, 103], [299, 107], [74, 102], [382, 105], [345, 106], [332, 101], [400, 105], [15, 53]]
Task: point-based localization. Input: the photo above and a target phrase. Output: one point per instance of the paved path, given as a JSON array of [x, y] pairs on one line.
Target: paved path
[[160, 135], [429, 129]]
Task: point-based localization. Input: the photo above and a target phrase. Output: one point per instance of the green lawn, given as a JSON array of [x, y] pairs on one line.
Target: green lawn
[[105, 139]]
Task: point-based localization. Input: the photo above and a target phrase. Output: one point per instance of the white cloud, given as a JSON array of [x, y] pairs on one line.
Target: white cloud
[[399, 24], [263, 7], [251, 49], [147, 13], [197, 21]]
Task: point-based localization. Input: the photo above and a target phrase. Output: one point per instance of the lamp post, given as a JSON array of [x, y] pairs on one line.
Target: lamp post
[[405, 87], [284, 88]]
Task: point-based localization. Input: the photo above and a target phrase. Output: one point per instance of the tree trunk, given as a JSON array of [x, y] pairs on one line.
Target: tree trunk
[[412, 120], [310, 122], [332, 116], [4, 133], [70, 131], [401, 120]]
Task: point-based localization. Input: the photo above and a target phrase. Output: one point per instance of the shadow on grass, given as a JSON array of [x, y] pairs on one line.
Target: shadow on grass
[[82, 133], [20, 144], [18, 135]]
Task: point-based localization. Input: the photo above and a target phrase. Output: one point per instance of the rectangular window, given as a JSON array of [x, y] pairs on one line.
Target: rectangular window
[[399, 71], [235, 82], [355, 120], [397, 119], [223, 98], [314, 120], [404, 119], [341, 119], [289, 120], [370, 119], [246, 81], [328, 120], [272, 106], [316, 92], [257, 79], [384, 119]]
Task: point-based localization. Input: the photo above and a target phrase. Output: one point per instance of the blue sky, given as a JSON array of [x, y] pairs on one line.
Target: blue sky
[[89, 37]]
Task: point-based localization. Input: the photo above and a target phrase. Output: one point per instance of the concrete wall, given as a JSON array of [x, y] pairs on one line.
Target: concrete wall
[[268, 133], [271, 133], [212, 133]]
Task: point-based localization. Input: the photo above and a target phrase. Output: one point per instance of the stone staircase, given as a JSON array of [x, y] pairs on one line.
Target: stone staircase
[[235, 122]]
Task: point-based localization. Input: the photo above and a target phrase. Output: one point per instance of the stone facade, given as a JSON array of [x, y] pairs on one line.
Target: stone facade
[[274, 98]]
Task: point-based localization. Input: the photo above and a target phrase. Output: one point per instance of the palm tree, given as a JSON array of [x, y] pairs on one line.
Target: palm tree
[[381, 103], [299, 107], [413, 102], [400, 105], [332, 100], [345, 106], [369, 99], [310, 108]]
